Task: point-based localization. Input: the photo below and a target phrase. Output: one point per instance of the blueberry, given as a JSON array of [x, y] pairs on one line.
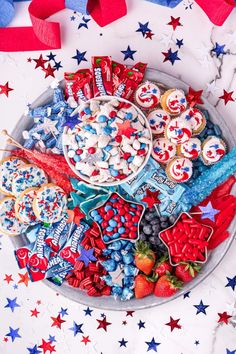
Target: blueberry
[[149, 216], [142, 236], [163, 218], [172, 219], [155, 222], [164, 225], [156, 228], [147, 229]]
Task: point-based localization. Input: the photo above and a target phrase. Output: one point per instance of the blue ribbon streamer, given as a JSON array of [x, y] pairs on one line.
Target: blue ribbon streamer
[[77, 5], [168, 3]]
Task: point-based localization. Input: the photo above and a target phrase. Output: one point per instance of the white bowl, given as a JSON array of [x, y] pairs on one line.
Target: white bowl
[[133, 174]]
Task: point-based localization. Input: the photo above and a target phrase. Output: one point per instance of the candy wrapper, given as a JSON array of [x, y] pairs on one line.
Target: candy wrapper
[[102, 76], [78, 86]]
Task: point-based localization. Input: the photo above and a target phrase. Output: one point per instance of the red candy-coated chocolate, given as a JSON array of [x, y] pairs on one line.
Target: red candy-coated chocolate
[[102, 76]]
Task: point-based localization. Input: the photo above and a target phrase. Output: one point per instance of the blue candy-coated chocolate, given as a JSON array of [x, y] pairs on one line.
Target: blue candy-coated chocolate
[[122, 218], [108, 147], [94, 213], [116, 235], [109, 229], [129, 115], [108, 207], [87, 110], [112, 223], [114, 173], [76, 158], [107, 130], [102, 119], [130, 159], [113, 200], [121, 230], [106, 238]]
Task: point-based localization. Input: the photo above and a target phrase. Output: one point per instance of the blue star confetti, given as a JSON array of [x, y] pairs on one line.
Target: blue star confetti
[[231, 282], [230, 351], [219, 49], [179, 42], [34, 350], [80, 56], [86, 256], [71, 122], [143, 28], [13, 333], [128, 53], [196, 342], [88, 311], [12, 304], [63, 312], [201, 308], [141, 324], [123, 342], [186, 294], [51, 339], [208, 212], [171, 56], [57, 65], [84, 23], [51, 56], [76, 328], [152, 345]]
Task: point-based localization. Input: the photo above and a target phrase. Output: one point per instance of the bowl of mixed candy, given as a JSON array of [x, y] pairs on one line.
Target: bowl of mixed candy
[[118, 187]]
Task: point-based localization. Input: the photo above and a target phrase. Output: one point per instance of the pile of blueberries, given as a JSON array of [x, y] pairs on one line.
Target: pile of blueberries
[[150, 226]]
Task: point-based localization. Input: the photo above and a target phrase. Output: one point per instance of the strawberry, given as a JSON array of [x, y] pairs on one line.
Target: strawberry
[[163, 266], [167, 285], [187, 271], [143, 286], [144, 257]]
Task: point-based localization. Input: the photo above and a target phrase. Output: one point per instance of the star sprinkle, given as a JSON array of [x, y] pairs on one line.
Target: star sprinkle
[[34, 350], [171, 56], [196, 342], [47, 346], [12, 304], [230, 351], [149, 35], [227, 96], [123, 342], [85, 340], [49, 71], [103, 324], [219, 49], [174, 22], [88, 311], [173, 324], [86, 256], [187, 294], [40, 62], [208, 212], [152, 345], [143, 28], [51, 339], [8, 278], [57, 65], [129, 313], [231, 282], [57, 321], [224, 317], [63, 312], [13, 333], [194, 97], [179, 42], [125, 128], [151, 198], [34, 313], [51, 56], [84, 23], [141, 324], [80, 56], [5, 89], [71, 122], [76, 328], [24, 279], [201, 308], [128, 53]]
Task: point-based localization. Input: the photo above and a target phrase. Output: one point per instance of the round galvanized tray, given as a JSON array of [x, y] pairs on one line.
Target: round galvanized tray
[[214, 258]]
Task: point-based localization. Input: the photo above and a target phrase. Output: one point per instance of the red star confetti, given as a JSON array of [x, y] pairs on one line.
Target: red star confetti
[[29, 60], [5, 339], [34, 313], [24, 278], [5, 89], [227, 96], [49, 71], [149, 35], [38, 302], [129, 313], [85, 340], [103, 323], [40, 62], [224, 317], [173, 324], [151, 198], [47, 346], [57, 321], [194, 97], [125, 129], [8, 278], [174, 22], [124, 323]]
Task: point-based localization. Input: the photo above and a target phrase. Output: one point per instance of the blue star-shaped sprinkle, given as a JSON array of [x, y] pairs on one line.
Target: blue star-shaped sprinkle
[[51, 339], [72, 18], [13, 333], [230, 351], [63, 312], [71, 122], [80, 56], [219, 49], [86, 256], [76, 328], [12, 304], [179, 42], [128, 53], [171, 56], [208, 212], [141, 324], [196, 342], [152, 345], [34, 350], [187, 294], [143, 28], [84, 23], [15, 286], [51, 56], [231, 282], [123, 342], [201, 308], [88, 311], [57, 65]]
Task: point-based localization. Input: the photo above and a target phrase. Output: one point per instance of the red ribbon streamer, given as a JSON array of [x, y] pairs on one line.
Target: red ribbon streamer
[[46, 35], [217, 10]]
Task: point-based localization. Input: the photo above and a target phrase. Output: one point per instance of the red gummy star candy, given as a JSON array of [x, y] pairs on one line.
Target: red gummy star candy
[[194, 97], [151, 198], [125, 129]]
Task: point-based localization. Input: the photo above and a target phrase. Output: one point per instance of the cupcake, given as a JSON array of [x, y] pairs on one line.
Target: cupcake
[[158, 119], [179, 169], [196, 118], [147, 95], [174, 101], [163, 150], [213, 149], [190, 149], [178, 131]]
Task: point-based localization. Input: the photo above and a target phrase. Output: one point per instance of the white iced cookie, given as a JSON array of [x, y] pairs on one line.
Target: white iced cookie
[[9, 224], [8, 166]]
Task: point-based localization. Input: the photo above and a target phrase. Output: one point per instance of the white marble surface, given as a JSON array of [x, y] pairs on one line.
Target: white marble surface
[[200, 69]]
